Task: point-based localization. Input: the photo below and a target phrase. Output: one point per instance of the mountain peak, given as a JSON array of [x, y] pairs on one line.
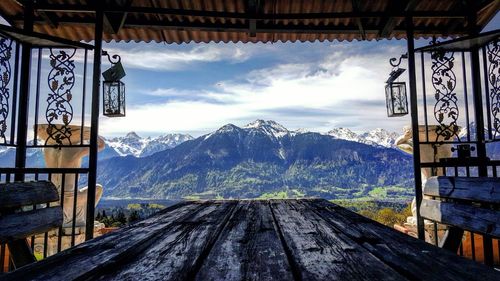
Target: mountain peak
[[228, 128], [269, 127], [132, 135], [343, 133]]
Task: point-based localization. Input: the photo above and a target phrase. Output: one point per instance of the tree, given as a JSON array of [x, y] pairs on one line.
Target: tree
[[134, 215], [120, 217]]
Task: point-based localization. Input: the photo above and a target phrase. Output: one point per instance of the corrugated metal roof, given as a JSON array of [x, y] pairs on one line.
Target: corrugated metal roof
[[276, 20]]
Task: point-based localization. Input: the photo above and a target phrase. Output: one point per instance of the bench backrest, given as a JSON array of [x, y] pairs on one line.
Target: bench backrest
[[16, 224], [471, 203]]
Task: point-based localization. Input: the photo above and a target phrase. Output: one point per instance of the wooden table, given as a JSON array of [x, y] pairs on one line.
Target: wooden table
[[255, 240]]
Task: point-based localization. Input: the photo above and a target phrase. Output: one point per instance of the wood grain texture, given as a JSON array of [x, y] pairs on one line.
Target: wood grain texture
[[411, 257], [320, 251], [480, 189], [248, 249], [181, 249], [91, 259], [17, 194], [255, 240], [467, 217], [21, 225]]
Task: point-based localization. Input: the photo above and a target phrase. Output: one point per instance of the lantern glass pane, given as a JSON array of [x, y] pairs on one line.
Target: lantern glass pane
[[114, 98], [388, 100], [397, 103]]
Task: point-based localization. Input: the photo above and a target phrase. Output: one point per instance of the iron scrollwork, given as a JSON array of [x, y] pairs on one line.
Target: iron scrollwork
[[5, 72], [444, 81], [493, 53], [61, 80]]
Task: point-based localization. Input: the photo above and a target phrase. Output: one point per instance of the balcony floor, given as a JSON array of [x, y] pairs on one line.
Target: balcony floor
[[255, 240]]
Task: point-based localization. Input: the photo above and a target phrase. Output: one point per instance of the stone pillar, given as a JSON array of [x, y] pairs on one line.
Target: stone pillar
[[428, 153], [68, 157]]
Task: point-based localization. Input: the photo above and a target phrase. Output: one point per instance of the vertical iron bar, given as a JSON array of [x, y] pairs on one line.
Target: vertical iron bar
[[2, 257], [473, 246], [488, 250], [75, 195], [14, 96], [46, 234], [84, 94], [94, 129], [422, 60], [37, 95], [487, 93], [466, 100], [414, 124], [59, 237], [24, 91]]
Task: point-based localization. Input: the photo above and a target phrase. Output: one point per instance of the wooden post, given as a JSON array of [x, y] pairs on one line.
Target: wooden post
[[24, 93], [94, 129], [414, 124], [21, 248], [479, 115]]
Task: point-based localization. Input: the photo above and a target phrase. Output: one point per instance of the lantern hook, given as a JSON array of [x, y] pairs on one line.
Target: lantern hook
[[112, 59], [392, 61]]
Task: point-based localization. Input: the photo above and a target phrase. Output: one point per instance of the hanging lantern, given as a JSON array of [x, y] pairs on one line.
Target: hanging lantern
[[396, 99], [395, 92], [113, 89]]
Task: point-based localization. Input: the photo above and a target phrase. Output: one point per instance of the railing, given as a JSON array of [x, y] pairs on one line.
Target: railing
[[53, 241]]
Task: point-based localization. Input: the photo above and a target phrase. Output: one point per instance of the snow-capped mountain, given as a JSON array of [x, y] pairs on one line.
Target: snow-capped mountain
[[133, 144], [269, 127], [380, 137], [376, 137], [344, 134]]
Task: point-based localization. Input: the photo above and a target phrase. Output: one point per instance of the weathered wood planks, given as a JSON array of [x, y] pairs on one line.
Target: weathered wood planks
[[320, 251], [411, 257], [474, 189], [464, 216], [94, 258], [248, 249], [255, 240], [19, 194], [24, 224], [181, 249]]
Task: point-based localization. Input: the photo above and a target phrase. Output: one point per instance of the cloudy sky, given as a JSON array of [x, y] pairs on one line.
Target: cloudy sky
[[197, 88]]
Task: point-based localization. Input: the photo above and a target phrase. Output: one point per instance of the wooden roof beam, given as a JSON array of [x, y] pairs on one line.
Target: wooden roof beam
[[394, 6], [49, 17], [68, 8], [359, 21], [242, 27], [113, 21]]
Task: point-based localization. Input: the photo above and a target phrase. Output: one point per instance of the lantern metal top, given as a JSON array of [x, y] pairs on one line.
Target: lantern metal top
[[116, 71]]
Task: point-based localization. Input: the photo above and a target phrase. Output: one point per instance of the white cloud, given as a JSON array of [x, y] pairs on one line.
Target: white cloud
[[344, 88], [164, 58]]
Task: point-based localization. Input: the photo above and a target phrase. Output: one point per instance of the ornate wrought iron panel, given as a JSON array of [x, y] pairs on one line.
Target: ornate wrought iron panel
[[444, 81], [61, 80], [5, 75], [493, 54]]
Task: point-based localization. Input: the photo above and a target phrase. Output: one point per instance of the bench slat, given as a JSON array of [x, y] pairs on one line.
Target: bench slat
[[475, 189], [17, 194], [470, 218], [21, 225]]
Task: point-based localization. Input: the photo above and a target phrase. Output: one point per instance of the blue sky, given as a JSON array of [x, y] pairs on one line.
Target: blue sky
[[197, 88]]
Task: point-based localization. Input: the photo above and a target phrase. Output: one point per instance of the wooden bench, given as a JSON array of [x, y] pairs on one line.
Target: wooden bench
[[16, 224], [471, 204]]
